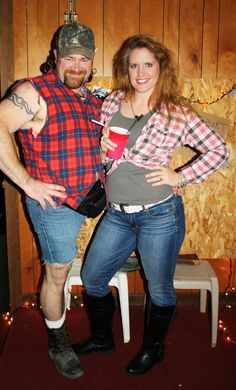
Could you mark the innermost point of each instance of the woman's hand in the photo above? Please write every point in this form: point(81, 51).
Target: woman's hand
point(106, 143)
point(162, 175)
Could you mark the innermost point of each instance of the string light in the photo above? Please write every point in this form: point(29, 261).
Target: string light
point(230, 283)
point(232, 91)
point(75, 299)
point(7, 318)
point(227, 333)
point(229, 338)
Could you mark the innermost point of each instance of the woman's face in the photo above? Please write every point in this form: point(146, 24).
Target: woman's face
point(144, 70)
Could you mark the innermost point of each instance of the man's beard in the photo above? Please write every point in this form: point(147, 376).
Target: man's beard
point(74, 80)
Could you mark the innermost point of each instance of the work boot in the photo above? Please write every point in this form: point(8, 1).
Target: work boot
point(100, 310)
point(61, 352)
point(152, 349)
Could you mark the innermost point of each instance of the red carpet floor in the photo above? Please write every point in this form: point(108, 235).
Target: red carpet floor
point(190, 363)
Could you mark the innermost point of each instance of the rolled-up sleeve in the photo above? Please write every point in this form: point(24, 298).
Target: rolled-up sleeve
point(212, 149)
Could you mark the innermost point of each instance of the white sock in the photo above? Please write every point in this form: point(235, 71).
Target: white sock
point(56, 324)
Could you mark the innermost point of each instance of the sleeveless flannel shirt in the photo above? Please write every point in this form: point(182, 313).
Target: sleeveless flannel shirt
point(66, 150)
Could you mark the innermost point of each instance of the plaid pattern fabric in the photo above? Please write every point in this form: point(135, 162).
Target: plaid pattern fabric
point(159, 139)
point(66, 150)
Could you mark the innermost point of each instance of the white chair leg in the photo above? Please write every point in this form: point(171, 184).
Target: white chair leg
point(203, 299)
point(124, 304)
point(214, 311)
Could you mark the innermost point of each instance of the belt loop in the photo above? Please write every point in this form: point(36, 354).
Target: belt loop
point(122, 207)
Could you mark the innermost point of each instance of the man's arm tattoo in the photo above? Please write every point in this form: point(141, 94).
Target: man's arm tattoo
point(20, 102)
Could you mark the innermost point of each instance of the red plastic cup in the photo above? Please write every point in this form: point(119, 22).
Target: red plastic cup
point(120, 137)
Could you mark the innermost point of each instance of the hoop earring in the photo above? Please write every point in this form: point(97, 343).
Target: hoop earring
point(90, 77)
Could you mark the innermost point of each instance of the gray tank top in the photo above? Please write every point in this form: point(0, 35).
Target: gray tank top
point(127, 183)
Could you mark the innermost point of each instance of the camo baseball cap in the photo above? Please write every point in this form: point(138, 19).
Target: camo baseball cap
point(76, 38)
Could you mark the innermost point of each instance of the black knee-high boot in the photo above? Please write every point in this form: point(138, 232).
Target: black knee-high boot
point(152, 349)
point(100, 311)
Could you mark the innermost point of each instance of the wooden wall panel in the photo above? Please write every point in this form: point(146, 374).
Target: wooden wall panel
point(42, 22)
point(30, 262)
point(121, 19)
point(30, 266)
point(171, 27)
point(6, 46)
point(151, 18)
point(210, 38)
point(227, 41)
point(20, 39)
point(190, 47)
point(62, 8)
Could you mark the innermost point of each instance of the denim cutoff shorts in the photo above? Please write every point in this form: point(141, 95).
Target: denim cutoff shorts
point(57, 231)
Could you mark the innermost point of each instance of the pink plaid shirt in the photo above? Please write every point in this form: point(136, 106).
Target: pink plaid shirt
point(159, 139)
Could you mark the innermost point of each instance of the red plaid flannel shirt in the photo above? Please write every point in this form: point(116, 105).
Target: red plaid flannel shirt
point(66, 150)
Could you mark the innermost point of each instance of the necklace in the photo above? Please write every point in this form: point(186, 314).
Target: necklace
point(137, 117)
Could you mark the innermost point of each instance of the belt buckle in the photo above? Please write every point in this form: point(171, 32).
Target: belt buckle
point(122, 206)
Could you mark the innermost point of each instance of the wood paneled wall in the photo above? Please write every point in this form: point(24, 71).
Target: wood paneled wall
point(200, 33)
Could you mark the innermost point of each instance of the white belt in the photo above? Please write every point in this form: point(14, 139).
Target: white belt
point(125, 208)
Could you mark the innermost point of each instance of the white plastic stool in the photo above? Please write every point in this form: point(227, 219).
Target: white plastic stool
point(201, 277)
point(119, 280)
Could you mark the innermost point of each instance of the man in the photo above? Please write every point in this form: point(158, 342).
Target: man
point(62, 158)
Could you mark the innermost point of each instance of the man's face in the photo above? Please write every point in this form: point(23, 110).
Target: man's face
point(74, 70)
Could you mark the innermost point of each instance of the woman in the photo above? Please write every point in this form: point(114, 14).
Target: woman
point(145, 212)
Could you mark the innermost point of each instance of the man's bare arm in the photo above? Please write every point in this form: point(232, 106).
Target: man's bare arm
point(19, 101)
point(17, 111)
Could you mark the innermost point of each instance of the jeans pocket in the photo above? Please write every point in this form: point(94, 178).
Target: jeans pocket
point(161, 211)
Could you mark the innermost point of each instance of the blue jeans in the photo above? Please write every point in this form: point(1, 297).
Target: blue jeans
point(157, 234)
point(57, 230)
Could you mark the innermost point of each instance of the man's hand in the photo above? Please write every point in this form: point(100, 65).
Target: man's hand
point(43, 192)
